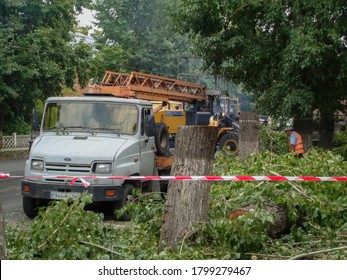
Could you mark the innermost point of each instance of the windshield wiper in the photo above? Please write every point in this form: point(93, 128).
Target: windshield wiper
point(106, 129)
point(77, 126)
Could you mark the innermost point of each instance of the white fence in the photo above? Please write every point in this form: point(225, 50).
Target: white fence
point(15, 142)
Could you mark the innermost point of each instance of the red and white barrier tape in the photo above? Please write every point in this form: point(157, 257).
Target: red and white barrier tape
point(187, 178)
point(4, 175)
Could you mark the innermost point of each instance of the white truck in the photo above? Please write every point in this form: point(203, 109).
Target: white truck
point(110, 131)
point(95, 138)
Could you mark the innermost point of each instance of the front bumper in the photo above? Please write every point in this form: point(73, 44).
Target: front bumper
point(51, 191)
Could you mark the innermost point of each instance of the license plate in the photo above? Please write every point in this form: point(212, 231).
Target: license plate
point(63, 195)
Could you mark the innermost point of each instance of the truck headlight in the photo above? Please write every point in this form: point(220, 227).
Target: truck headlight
point(104, 168)
point(37, 164)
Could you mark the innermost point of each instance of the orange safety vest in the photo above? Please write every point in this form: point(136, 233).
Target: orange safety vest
point(299, 145)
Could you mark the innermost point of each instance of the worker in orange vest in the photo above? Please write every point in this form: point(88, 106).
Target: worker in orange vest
point(295, 142)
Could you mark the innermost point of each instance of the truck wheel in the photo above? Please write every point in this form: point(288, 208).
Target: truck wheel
point(126, 198)
point(164, 184)
point(229, 143)
point(161, 139)
point(30, 207)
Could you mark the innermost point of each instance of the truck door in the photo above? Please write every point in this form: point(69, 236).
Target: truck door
point(146, 147)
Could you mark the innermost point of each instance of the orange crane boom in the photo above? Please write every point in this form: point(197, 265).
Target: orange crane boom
point(147, 87)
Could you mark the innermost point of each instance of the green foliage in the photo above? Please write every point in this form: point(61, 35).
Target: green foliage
point(38, 55)
point(138, 36)
point(280, 50)
point(273, 141)
point(298, 198)
point(316, 211)
point(18, 125)
point(340, 144)
point(246, 234)
point(58, 232)
point(145, 211)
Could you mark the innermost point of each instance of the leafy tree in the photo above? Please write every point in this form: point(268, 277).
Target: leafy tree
point(291, 54)
point(137, 35)
point(37, 54)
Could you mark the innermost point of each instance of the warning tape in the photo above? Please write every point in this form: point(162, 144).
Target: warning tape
point(187, 178)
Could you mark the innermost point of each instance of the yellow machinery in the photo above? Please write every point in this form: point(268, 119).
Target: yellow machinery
point(173, 115)
point(228, 109)
point(229, 105)
point(175, 95)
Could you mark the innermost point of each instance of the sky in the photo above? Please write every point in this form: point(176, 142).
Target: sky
point(86, 18)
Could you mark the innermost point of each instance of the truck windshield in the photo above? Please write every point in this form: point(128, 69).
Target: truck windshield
point(88, 116)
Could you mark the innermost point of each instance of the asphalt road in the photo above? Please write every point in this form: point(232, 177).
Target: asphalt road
point(10, 190)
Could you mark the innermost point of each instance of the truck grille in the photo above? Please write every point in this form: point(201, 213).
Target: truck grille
point(66, 169)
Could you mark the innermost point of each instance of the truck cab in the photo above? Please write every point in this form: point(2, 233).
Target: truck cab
point(83, 143)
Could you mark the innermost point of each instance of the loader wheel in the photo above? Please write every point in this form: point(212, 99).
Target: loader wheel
point(229, 143)
point(161, 138)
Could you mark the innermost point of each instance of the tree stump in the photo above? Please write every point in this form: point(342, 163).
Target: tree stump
point(3, 255)
point(248, 134)
point(188, 201)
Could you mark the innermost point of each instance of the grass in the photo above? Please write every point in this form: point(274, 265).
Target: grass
point(6, 155)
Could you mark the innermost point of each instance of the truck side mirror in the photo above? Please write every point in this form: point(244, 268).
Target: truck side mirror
point(149, 125)
point(36, 121)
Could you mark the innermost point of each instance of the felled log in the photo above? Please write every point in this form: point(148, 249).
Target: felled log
point(281, 224)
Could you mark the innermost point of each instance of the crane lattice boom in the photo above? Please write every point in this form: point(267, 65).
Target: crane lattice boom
point(147, 87)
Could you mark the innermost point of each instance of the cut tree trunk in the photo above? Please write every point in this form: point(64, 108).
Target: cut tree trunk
point(188, 201)
point(3, 255)
point(249, 134)
point(281, 224)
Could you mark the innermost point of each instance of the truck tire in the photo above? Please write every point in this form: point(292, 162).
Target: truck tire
point(164, 184)
point(161, 139)
point(126, 198)
point(229, 143)
point(30, 207)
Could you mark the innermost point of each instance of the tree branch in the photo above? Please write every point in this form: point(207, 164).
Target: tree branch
point(317, 253)
point(100, 247)
point(298, 189)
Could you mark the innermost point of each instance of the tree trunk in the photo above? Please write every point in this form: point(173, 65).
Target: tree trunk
point(2, 115)
point(326, 130)
point(304, 126)
point(249, 134)
point(3, 255)
point(188, 201)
